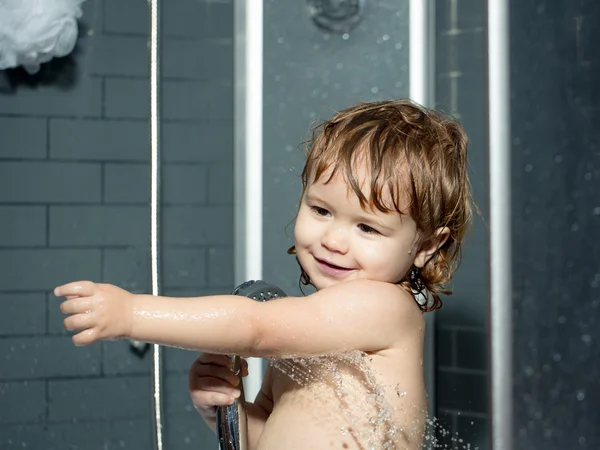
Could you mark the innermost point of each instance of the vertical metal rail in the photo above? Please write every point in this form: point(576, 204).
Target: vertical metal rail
point(501, 366)
point(155, 206)
point(422, 91)
point(248, 107)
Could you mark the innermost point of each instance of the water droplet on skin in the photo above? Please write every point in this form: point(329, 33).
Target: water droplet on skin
point(580, 396)
point(345, 36)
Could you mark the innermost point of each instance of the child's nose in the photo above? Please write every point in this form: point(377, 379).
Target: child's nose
point(334, 239)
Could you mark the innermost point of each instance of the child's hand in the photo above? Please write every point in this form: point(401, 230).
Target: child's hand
point(212, 383)
point(101, 311)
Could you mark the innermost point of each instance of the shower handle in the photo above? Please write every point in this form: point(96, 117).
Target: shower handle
point(232, 422)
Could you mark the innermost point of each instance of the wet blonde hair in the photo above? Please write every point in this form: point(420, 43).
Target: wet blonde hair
point(413, 152)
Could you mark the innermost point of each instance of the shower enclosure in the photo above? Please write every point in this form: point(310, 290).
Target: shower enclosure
point(239, 88)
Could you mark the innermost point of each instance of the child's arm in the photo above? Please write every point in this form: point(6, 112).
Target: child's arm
point(355, 315)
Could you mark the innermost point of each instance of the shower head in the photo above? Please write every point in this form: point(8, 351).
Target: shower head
point(337, 16)
point(232, 425)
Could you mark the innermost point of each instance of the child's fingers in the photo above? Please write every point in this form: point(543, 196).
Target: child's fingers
point(86, 337)
point(213, 358)
point(218, 372)
point(211, 399)
point(79, 288)
point(78, 322)
point(244, 368)
point(76, 305)
point(212, 384)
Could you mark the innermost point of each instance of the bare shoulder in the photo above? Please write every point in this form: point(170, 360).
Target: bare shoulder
point(390, 302)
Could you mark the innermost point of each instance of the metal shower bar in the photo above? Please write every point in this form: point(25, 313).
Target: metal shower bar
point(154, 48)
point(501, 367)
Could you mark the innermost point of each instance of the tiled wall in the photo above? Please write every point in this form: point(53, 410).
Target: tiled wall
point(74, 193)
point(555, 68)
point(461, 353)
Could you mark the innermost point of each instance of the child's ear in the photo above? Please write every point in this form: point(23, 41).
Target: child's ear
point(430, 246)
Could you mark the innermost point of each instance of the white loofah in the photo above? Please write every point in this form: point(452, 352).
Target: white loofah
point(33, 32)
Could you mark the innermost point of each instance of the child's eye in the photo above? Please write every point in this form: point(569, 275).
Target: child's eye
point(367, 229)
point(320, 211)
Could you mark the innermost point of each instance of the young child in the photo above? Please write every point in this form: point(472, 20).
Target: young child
point(385, 203)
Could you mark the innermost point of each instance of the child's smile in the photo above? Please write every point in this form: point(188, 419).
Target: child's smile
point(336, 240)
point(333, 270)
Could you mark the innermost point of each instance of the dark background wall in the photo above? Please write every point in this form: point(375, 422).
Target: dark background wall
point(461, 342)
point(555, 68)
point(74, 193)
point(555, 214)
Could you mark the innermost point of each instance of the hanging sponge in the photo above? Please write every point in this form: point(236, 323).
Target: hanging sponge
point(33, 32)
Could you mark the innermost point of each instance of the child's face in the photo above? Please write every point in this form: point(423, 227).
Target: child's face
point(336, 240)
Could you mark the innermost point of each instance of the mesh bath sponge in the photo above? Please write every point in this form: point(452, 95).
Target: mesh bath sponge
point(33, 32)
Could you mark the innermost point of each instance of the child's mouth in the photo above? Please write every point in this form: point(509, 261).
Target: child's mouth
point(332, 269)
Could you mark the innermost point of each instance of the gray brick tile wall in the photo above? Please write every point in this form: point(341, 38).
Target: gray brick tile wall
point(83, 99)
point(15, 437)
point(119, 359)
point(186, 184)
point(117, 140)
point(127, 183)
point(463, 390)
point(208, 60)
point(188, 100)
point(12, 319)
point(130, 20)
point(127, 267)
point(186, 431)
point(219, 194)
point(49, 182)
point(23, 137)
point(102, 225)
point(177, 393)
point(28, 400)
point(30, 358)
point(119, 56)
point(22, 226)
point(461, 377)
point(127, 98)
point(184, 267)
point(212, 19)
point(74, 193)
point(99, 398)
point(199, 142)
point(41, 269)
point(198, 225)
point(219, 261)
